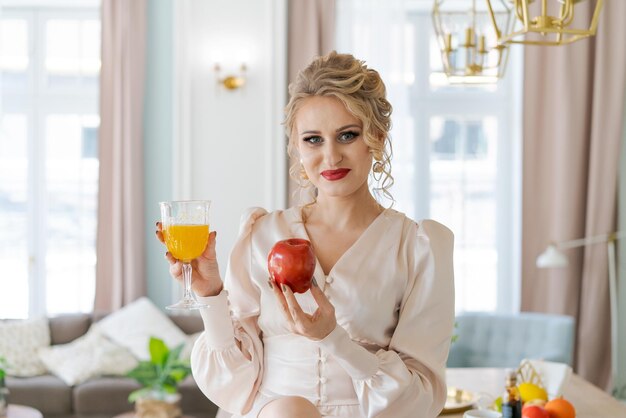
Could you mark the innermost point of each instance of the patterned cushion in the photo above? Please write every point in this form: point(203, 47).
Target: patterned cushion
point(91, 355)
point(19, 342)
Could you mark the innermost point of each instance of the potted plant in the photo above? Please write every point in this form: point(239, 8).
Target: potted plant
point(159, 377)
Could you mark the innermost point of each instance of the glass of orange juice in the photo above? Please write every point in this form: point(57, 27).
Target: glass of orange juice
point(186, 232)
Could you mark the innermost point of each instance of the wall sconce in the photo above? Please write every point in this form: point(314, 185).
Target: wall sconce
point(231, 81)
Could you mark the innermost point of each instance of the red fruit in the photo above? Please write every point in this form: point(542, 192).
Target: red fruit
point(292, 262)
point(534, 411)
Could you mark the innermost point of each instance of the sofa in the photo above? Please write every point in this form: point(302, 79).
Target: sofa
point(99, 397)
point(504, 339)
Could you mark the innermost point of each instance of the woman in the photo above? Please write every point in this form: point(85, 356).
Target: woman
point(371, 337)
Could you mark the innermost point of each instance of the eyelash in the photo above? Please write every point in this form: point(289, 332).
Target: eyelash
point(314, 140)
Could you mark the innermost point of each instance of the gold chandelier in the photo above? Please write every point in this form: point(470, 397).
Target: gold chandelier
point(468, 41)
point(546, 22)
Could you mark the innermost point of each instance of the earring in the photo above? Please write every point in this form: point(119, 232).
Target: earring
point(378, 167)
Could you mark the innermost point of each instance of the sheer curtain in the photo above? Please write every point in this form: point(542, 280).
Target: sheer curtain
point(120, 276)
point(573, 109)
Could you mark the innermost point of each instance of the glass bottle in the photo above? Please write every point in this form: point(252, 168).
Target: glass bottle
point(511, 399)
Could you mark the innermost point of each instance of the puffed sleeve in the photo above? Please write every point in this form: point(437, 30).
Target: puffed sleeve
point(408, 378)
point(227, 359)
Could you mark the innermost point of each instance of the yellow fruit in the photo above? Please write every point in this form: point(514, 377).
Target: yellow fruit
point(497, 404)
point(530, 392)
point(538, 402)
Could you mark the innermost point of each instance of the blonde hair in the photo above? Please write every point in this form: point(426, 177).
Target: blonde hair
point(363, 93)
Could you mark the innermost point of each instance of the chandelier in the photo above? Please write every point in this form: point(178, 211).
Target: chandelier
point(468, 41)
point(546, 22)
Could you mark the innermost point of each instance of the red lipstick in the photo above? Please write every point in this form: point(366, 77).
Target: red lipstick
point(334, 175)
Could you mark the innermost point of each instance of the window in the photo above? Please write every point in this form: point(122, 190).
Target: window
point(466, 144)
point(49, 69)
point(456, 149)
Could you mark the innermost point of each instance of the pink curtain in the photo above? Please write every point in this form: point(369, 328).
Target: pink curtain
point(573, 108)
point(311, 29)
point(120, 276)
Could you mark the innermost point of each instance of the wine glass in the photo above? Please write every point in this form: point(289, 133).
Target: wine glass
point(186, 233)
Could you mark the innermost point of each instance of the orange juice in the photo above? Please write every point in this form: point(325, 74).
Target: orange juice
point(186, 242)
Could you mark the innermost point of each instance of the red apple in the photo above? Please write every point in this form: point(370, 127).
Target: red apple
point(534, 411)
point(292, 262)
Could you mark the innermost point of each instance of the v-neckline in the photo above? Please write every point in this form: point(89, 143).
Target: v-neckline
point(305, 234)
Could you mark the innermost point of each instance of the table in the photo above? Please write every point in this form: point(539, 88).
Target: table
point(21, 411)
point(589, 400)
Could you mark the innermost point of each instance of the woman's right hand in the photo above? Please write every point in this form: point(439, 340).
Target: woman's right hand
point(205, 277)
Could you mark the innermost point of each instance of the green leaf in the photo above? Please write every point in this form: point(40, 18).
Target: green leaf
point(158, 351)
point(145, 373)
point(163, 372)
point(139, 393)
point(180, 372)
point(169, 388)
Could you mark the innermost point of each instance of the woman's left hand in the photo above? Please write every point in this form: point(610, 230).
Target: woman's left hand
point(315, 326)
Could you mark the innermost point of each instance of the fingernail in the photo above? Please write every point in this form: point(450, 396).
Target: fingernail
point(282, 286)
point(157, 223)
point(314, 282)
point(269, 282)
point(156, 232)
point(167, 253)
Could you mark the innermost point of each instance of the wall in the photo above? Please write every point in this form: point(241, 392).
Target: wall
point(158, 129)
point(229, 145)
point(201, 141)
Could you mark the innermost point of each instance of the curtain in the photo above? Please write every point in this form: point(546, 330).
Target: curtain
point(573, 108)
point(311, 29)
point(620, 385)
point(120, 276)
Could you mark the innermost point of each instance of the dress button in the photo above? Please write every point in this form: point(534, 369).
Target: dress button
point(323, 380)
point(324, 398)
point(329, 279)
point(323, 359)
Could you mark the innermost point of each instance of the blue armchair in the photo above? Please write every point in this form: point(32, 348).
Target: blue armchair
point(503, 340)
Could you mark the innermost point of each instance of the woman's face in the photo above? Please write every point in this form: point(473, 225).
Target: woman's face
point(331, 146)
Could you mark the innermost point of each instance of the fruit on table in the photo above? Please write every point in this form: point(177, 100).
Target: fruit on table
point(539, 402)
point(529, 391)
point(560, 408)
point(292, 262)
point(497, 404)
point(534, 411)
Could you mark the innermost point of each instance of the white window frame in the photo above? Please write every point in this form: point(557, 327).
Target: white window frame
point(37, 104)
point(505, 104)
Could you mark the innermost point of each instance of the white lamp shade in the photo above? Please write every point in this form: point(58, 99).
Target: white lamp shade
point(552, 257)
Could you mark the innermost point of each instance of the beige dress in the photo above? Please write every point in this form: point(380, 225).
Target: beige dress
point(393, 293)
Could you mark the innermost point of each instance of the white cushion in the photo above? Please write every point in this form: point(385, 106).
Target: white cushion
point(91, 355)
point(134, 324)
point(19, 342)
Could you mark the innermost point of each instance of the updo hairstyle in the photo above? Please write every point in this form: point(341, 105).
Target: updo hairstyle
point(363, 93)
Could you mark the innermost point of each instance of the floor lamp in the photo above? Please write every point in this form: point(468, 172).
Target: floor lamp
point(554, 257)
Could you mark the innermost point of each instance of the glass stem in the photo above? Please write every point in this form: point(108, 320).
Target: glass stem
point(187, 281)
